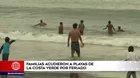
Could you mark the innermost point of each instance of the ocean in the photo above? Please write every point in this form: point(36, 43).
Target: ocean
point(17, 18)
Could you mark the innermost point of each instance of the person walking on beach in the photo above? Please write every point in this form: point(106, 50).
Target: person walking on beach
point(131, 56)
point(41, 24)
point(75, 37)
point(60, 30)
point(110, 28)
point(81, 27)
point(6, 49)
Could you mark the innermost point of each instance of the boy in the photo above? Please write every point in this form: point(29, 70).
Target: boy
point(81, 27)
point(61, 28)
point(6, 49)
point(131, 57)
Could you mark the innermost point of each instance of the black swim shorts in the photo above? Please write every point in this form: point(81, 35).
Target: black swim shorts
point(75, 48)
point(5, 57)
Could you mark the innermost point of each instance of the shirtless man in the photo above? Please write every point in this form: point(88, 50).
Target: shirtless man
point(81, 27)
point(75, 37)
point(119, 29)
point(60, 31)
point(41, 24)
point(110, 28)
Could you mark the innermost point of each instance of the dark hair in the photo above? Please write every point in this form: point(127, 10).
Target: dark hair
point(130, 48)
point(109, 22)
point(41, 20)
point(61, 23)
point(119, 27)
point(7, 39)
point(82, 21)
point(75, 25)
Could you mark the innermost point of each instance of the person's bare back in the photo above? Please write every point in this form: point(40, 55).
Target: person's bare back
point(110, 28)
point(75, 34)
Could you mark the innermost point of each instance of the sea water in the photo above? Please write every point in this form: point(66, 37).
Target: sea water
point(17, 18)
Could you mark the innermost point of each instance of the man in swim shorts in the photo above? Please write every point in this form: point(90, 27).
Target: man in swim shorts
point(75, 37)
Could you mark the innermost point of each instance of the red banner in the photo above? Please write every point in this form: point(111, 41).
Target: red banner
point(11, 66)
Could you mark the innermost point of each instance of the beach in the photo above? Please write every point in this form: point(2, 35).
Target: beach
point(36, 50)
point(49, 51)
point(18, 17)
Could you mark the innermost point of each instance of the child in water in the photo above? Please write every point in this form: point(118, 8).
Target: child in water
point(6, 48)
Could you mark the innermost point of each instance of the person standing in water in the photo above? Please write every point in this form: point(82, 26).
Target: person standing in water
point(110, 28)
point(131, 56)
point(81, 27)
point(41, 24)
point(60, 30)
point(75, 36)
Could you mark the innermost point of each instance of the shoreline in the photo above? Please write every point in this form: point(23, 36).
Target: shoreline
point(34, 50)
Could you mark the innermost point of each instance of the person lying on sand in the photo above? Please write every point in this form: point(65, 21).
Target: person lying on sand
point(41, 24)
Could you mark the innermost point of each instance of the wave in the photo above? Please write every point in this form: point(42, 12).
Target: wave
point(102, 40)
point(95, 4)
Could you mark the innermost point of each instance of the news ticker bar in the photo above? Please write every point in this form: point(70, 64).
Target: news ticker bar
point(67, 66)
point(81, 66)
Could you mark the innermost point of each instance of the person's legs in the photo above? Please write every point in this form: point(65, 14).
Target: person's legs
point(134, 74)
point(77, 49)
point(81, 31)
point(72, 50)
point(128, 74)
point(76, 75)
point(60, 32)
point(5, 57)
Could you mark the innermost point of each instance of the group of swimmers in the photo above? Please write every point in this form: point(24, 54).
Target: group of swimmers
point(61, 28)
point(81, 27)
point(111, 28)
point(74, 36)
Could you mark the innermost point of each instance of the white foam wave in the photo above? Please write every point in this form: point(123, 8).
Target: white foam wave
point(112, 41)
point(95, 4)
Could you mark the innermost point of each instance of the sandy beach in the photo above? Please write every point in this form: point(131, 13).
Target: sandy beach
point(24, 50)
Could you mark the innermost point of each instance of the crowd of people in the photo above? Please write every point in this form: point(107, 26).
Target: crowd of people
point(74, 36)
point(81, 27)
